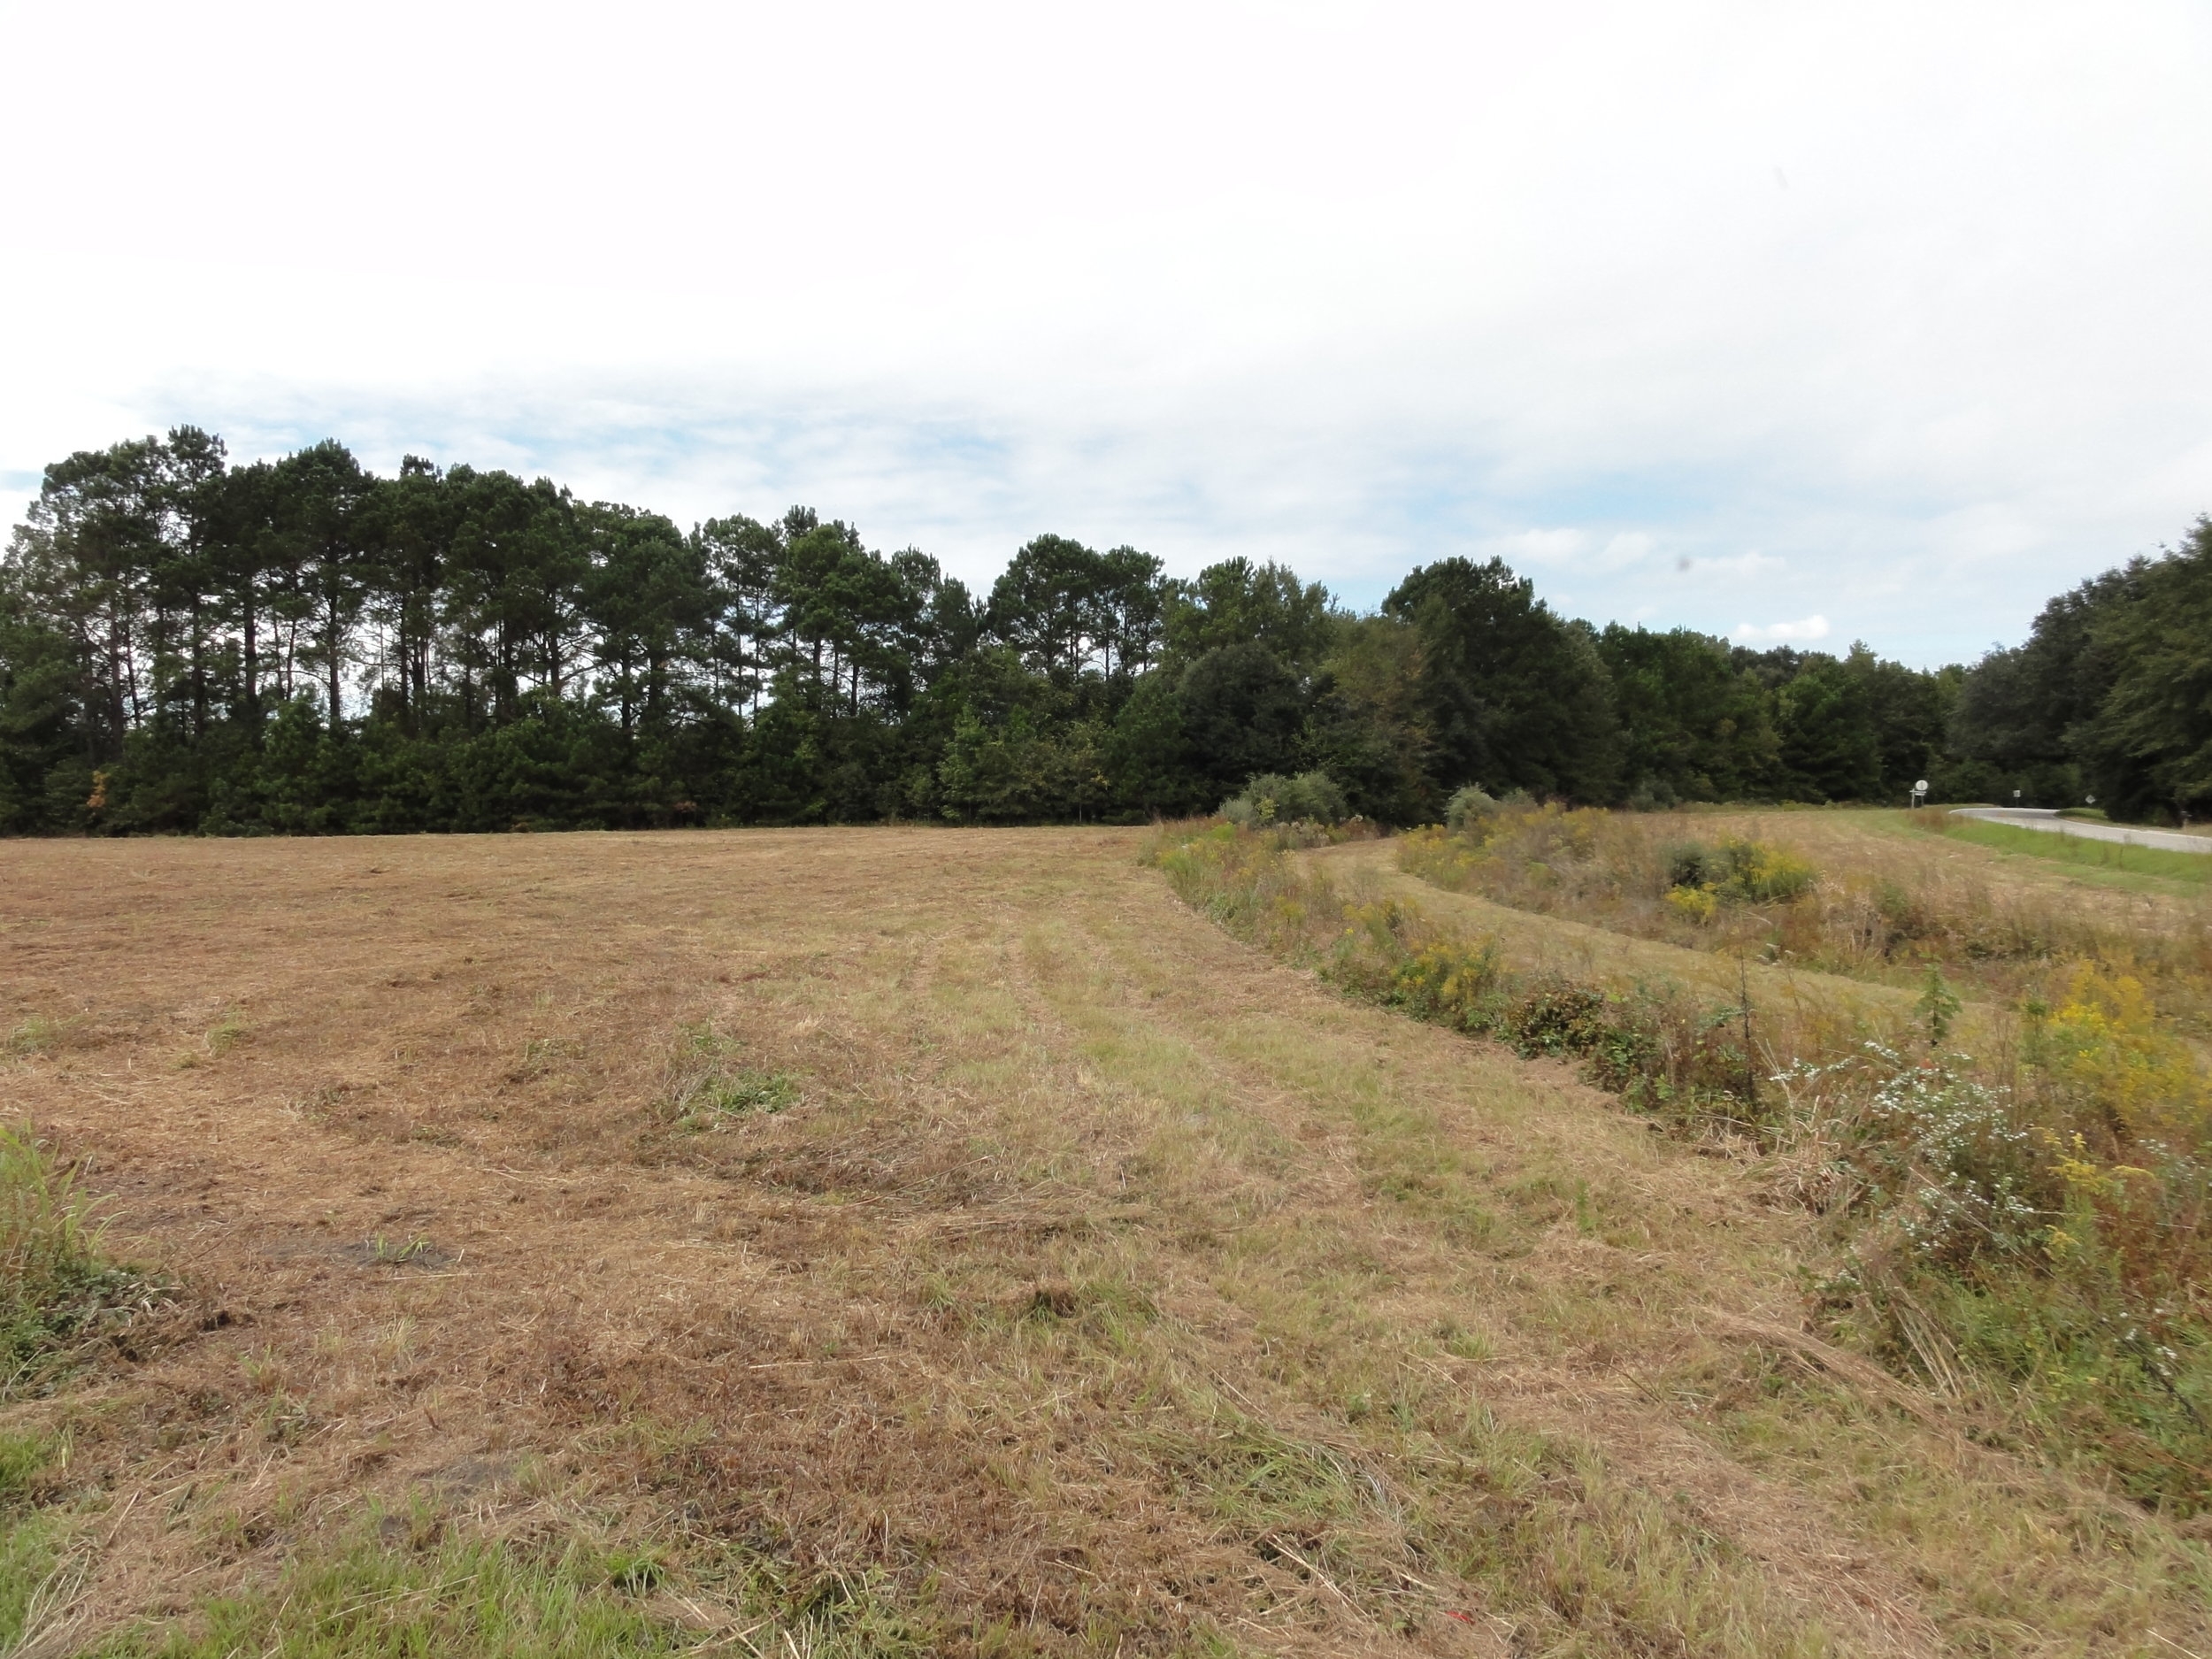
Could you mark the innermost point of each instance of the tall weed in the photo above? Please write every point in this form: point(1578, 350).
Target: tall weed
point(2018, 1245)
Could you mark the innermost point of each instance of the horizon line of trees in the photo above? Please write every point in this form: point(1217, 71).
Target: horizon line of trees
point(301, 646)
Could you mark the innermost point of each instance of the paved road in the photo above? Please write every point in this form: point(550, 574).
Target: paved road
point(2043, 818)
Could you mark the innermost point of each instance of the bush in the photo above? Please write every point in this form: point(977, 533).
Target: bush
point(1311, 797)
point(1689, 864)
point(1469, 802)
point(1699, 877)
point(1471, 807)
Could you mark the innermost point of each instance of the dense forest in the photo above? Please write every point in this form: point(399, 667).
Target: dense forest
point(301, 646)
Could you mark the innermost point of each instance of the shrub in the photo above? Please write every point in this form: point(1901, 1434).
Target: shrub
point(1945, 1155)
point(1689, 864)
point(1693, 903)
point(1765, 874)
point(1311, 797)
point(2125, 1077)
point(1737, 870)
point(1468, 803)
point(1447, 980)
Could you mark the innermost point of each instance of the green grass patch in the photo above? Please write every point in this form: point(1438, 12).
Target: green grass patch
point(28, 1554)
point(710, 1100)
point(2193, 868)
point(748, 1091)
point(492, 1599)
point(59, 1296)
point(35, 1035)
point(708, 1090)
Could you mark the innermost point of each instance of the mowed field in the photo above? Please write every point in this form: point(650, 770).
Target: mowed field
point(887, 1240)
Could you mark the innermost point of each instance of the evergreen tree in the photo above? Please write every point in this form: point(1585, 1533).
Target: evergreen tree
point(299, 645)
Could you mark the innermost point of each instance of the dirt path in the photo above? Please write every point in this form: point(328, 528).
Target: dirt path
point(1101, 1281)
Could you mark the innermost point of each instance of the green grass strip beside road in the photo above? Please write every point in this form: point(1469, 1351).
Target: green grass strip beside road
point(2081, 850)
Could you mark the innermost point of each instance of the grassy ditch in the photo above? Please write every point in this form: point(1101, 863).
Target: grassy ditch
point(1666, 1050)
point(2027, 1232)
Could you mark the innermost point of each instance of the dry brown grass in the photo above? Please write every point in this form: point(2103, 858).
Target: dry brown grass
point(1101, 1285)
point(1999, 919)
point(1883, 898)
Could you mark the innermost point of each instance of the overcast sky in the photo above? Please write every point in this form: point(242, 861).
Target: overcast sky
point(1781, 322)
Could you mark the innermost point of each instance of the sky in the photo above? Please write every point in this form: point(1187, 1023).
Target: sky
point(1792, 323)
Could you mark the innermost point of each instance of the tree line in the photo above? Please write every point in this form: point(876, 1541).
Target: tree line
point(302, 646)
point(2110, 696)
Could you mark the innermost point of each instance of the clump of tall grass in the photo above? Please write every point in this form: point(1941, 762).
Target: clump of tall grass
point(57, 1289)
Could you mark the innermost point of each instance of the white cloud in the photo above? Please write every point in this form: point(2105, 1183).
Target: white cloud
point(1802, 632)
point(1357, 286)
point(1750, 563)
